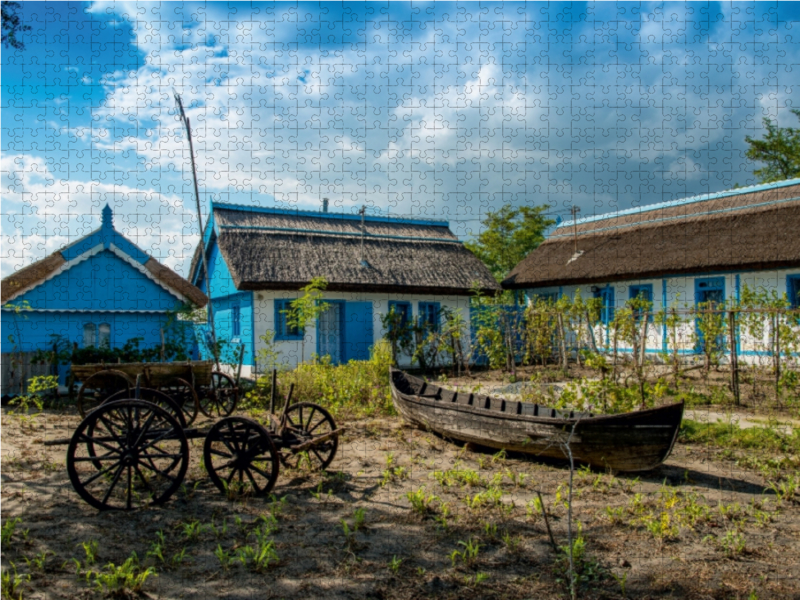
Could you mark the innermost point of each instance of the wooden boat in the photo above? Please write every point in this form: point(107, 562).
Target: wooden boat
point(634, 441)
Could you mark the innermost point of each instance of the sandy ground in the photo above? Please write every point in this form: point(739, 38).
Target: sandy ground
point(397, 552)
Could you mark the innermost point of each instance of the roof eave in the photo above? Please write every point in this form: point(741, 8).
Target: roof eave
point(361, 287)
point(511, 283)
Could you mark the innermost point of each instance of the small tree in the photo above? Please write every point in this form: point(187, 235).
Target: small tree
point(711, 326)
point(268, 356)
point(540, 327)
point(398, 333)
point(306, 309)
point(671, 319)
point(453, 335)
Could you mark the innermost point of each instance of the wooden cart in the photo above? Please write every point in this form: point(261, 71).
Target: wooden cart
point(193, 385)
point(131, 452)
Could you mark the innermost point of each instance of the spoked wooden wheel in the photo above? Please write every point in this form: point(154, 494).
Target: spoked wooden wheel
point(127, 454)
point(182, 392)
point(241, 458)
point(156, 397)
point(220, 398)
point(305, 422)
point(98, 387)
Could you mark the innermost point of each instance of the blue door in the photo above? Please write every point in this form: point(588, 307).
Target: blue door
point(358, 330)
point(329, 331)
point(345, 331)
point(711, 293)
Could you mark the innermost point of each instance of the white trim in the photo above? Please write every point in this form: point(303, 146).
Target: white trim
point(143, 270)
point(65, 267)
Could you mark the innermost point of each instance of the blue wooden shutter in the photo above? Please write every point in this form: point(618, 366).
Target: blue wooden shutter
point(280, 320)
point(358, 330)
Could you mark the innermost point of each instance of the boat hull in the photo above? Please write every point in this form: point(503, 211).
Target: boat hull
point(635, 441)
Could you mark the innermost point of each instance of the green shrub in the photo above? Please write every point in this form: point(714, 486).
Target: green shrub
point(727, 435)
point(357, 389)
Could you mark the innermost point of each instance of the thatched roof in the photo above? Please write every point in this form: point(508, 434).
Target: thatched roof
point(750, 228)
point(169, 277)
point(278, 249)
point(28, 276)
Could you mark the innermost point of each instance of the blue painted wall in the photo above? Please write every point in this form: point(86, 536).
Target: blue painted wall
point(222, 281)
point(223, 324)
point(36, 328)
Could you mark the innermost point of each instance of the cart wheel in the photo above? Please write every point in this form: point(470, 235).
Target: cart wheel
point(304, 422)
point(100, 386)
point(241, 457)
point(220, 398)
point(156, 397)
point(137, 446)
point(182, 392)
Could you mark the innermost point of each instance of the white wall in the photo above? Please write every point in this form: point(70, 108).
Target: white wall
point(680, 292)
point(290, 351)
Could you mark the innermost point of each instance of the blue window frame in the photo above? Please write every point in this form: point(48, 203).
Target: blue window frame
point(793, 290)
point(607, 312)
point(236, 320)
point(546, 296)
point(644, 290)
point(429, 314)
point(403, 309)
point(283, 332)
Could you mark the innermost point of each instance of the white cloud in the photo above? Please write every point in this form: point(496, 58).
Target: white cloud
point(42, 212)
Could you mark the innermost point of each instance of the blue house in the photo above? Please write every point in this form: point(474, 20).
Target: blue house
point(259, 258)
point(101, 290)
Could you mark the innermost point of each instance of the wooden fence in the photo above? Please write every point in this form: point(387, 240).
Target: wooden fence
point(17, 369)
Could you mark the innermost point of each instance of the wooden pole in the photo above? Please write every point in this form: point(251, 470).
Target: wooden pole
point(185, 119)
point(273, 391)
point(643, 340)
point(734, 357)
point(777, 334)
point(239, 368)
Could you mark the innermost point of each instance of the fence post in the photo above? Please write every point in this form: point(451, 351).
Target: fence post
point(777, 333)
point(734, 356)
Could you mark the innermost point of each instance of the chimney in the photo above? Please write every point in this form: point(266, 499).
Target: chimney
point(324, 205)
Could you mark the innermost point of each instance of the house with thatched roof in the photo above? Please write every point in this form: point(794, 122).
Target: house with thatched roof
point(679, 253)
point(100, 290)
point(259, 258)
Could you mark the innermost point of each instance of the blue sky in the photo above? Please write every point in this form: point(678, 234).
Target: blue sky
point(445, 110)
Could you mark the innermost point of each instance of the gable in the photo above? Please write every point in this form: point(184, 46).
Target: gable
point(100, 280)
point(222, 283)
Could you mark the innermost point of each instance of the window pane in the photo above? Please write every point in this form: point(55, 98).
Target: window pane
point(104, 339)
point(236, 318)
point(88, 335)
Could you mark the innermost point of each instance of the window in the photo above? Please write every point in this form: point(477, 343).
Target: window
point(551, 297)
point(403, 309)
point(236, 324)
point(104, 337)
point(89, 335)
point(793, 290)
point(282, 329)
point(607, 296)
point(644, 292)
point(429, 314)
